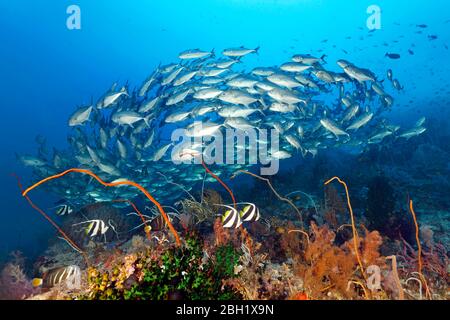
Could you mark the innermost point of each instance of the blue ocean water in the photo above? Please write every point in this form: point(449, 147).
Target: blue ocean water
point(47, 69)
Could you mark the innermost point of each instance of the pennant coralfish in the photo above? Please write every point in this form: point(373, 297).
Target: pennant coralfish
point(231, 218)
point(62, 210)
point(250, 212)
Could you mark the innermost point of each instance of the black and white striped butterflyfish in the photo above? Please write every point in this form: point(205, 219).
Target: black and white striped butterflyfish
point(58, 275)
point(250, 212)
point(231, 218)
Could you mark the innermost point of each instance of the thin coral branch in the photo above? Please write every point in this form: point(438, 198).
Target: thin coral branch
point(177, 185)
point(366, 293)
point(147, 231)
point(273, 190)
point(355, 232)
point(300, 231)
point(401, 294)
point(308, 196)
point(213, 175)
point(420, 285)
point(112, 184)
point(203, 187)
point(221, 182)
point(419, 247)
point(419, 250)
point(63, 234)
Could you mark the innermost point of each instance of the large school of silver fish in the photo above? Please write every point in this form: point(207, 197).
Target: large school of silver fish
point(126, 133)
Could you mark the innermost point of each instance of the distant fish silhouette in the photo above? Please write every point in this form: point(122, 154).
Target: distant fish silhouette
point(393, 56)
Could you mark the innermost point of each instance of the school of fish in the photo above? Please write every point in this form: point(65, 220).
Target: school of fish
point(125, 134)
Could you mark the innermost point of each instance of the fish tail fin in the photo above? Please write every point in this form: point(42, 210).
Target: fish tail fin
point(323, 58)
point(213, 53)
point(37, 282)
point(263, 104)
point(147, 120)
point(257, 49)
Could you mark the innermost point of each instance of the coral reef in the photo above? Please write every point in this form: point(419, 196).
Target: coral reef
point(330, 255)
point(178, 273)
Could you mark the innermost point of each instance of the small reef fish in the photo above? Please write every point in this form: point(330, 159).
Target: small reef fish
point(231, 218)
point(57, 276)
point(156, 224)
point(94, 228)
point(249, 213)
point(64, 210)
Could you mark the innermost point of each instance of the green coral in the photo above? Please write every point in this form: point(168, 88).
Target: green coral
point(178, 274)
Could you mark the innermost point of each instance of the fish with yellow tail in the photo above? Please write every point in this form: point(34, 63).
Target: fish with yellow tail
point(69, 275)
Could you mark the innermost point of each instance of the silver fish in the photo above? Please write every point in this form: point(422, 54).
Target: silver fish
point(239, 52)
point(361, 121)
point(81, 116)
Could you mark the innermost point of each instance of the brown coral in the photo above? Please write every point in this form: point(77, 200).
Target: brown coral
point(328, 268)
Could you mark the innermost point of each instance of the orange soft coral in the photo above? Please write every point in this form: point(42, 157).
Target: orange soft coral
point(328, 268)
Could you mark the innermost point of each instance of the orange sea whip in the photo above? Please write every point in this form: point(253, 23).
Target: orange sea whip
point(65, 236)
point(221, 182)
point(112, 184)
point(419, 247)
point(147, 232)
point(355, 232)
